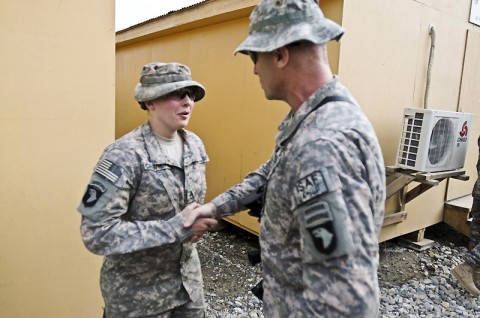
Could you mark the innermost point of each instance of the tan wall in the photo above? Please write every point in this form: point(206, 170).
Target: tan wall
point(383, 60)
point(57, 114)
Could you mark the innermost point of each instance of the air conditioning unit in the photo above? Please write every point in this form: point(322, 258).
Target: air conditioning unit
point(433, 140)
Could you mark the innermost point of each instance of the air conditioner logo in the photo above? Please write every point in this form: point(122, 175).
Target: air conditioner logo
point(463, 133)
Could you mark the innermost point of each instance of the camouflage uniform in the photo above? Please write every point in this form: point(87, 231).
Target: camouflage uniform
point(131, 212)
point(324, 187)
point(324, 206)
point(473, 256)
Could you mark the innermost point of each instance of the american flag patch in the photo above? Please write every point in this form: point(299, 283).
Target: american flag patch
point(109, 170)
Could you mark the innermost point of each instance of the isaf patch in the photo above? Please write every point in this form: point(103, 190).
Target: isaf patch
point(315, 184)
point(94, 191)
point(109, 170)
point(319, 225)
point(309, 187)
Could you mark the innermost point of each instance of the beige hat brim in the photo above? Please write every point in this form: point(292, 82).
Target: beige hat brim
point(270, 39)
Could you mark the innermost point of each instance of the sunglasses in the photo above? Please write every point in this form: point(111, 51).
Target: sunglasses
point(180, 94)
point(254, 55)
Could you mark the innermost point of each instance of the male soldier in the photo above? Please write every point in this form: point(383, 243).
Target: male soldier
point(468, 273)
point(324, 186)
point(141, 190)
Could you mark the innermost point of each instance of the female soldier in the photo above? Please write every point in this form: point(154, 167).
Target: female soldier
point(142, 189)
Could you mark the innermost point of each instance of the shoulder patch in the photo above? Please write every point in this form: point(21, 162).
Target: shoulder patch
point(324, 238)
point(94, 191)
point(315, 184)
point(319, 224)
point(309, 187)
point(109, 170)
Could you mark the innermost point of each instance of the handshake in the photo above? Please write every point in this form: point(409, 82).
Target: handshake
point(200, 218)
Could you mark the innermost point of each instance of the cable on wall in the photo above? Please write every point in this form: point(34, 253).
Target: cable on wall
point(431, 30)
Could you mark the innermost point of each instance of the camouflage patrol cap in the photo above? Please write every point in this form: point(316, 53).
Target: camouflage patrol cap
point(276, 23)
point(159, 79)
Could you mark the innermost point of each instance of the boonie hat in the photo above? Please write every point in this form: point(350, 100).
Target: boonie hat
point(276, 23)
point(159, 79)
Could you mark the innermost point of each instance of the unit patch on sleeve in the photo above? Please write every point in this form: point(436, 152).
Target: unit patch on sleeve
point(319, 202)
point(319, 225)
point(109, 170)
point(94, 191)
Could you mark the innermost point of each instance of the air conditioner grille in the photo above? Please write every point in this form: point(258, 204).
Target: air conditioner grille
point(440, 140)
point(408, 150)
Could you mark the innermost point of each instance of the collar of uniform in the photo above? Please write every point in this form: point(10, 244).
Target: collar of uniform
point(191, 152)
point(293, 120)
point(157, 156)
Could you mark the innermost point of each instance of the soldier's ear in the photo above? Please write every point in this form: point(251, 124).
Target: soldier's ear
point(150, 105)
point(282, 56)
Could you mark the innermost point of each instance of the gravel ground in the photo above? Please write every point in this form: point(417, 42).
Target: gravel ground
point(413, 284)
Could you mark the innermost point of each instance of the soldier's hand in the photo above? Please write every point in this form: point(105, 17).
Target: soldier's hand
point(200, 211)
point(200, 226)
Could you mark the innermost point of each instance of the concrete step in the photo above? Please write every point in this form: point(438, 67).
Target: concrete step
point(457, 214)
